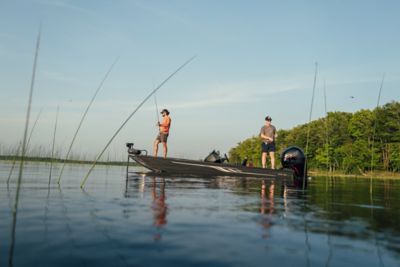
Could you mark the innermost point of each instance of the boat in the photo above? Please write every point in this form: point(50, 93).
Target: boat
point(292, 159)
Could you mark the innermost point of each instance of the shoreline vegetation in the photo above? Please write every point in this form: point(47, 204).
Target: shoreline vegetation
point(347, 144)
point(71, 161)
point(339, 174)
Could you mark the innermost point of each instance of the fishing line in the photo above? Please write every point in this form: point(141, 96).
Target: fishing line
point(130, 116)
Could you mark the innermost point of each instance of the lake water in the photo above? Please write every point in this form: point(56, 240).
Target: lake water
point(155, 221)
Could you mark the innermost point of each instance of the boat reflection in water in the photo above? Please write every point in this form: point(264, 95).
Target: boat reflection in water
point(265, 200)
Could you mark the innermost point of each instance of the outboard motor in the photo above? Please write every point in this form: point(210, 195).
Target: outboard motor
point(294, 158)
point(215, 157)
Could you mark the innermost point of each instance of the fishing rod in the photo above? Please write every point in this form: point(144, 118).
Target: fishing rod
point(130, 116)
point(83, 118)
point(23, 148)
point(158, 116)
point(309, 124)
point(155, 101)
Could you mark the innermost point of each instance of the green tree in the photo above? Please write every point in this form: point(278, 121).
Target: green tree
point(340, 141)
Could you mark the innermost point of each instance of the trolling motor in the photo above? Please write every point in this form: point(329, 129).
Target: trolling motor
point(294, 158)
point(134, 151)
point(215, 157)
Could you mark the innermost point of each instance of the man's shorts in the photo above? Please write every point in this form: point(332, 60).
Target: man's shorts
point(268, 147)
point(162, 137)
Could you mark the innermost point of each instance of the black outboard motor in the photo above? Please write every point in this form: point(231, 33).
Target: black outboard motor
point(294, 158)
point(215, 157)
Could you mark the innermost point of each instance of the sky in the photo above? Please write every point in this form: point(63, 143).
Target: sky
point(253, 58)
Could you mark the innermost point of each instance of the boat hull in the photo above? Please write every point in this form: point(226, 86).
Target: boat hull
point(190, 168)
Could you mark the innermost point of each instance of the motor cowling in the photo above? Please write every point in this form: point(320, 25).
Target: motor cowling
point(134, 151)
point(215, 157)
point(294, 158)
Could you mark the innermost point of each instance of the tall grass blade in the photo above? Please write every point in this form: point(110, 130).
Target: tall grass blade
point(27, 145)
point(33, 128)
point(52, 147)
point(83, 118)
point(309, 123)
point(14, 162)
point(23, 147)
point(327, 130)
point(130, 116)
point(375, 123)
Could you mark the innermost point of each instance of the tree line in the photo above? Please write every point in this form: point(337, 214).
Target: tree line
point(341, 141)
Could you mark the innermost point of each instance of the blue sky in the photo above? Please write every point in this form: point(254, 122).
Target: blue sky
point(253, 58)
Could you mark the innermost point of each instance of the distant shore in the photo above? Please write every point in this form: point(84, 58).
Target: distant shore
point(71, 161)
point(374, 174)
point(312, 172)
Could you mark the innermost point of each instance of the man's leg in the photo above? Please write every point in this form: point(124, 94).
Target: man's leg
point(165, 149)
point(272, 156)
point(264, 159)
point(155, 149)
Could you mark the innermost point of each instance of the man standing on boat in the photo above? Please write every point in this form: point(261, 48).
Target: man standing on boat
point(268, 135)
point(163, 133)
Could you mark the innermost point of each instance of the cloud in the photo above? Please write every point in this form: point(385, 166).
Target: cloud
point(164, 13)
point(64, 4)
point(233, 93)
point(56, 76)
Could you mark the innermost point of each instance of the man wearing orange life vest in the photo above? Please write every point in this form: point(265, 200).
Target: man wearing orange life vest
point(163, 134)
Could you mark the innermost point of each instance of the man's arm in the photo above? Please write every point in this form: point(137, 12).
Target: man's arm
point(263, 136)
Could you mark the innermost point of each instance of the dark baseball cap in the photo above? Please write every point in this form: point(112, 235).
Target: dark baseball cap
point(165, 110)
point(268, 118)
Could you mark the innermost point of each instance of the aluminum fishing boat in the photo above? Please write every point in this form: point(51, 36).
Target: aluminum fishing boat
point(292, 159)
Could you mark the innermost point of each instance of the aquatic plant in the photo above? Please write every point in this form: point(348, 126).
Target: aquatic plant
point(130, 116)
point(84, 116)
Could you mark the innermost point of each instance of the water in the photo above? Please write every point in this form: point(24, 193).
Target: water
point(155, 221)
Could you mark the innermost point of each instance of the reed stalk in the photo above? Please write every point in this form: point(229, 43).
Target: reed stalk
point(374, 131)
point(52, 147)
point(327, 130)
point(130, 116)
point(23, 152)
point(14, 162)
point(375, 122)
point(83, 118)
point(309, 124)
point(33, 128)
point(27, 145)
